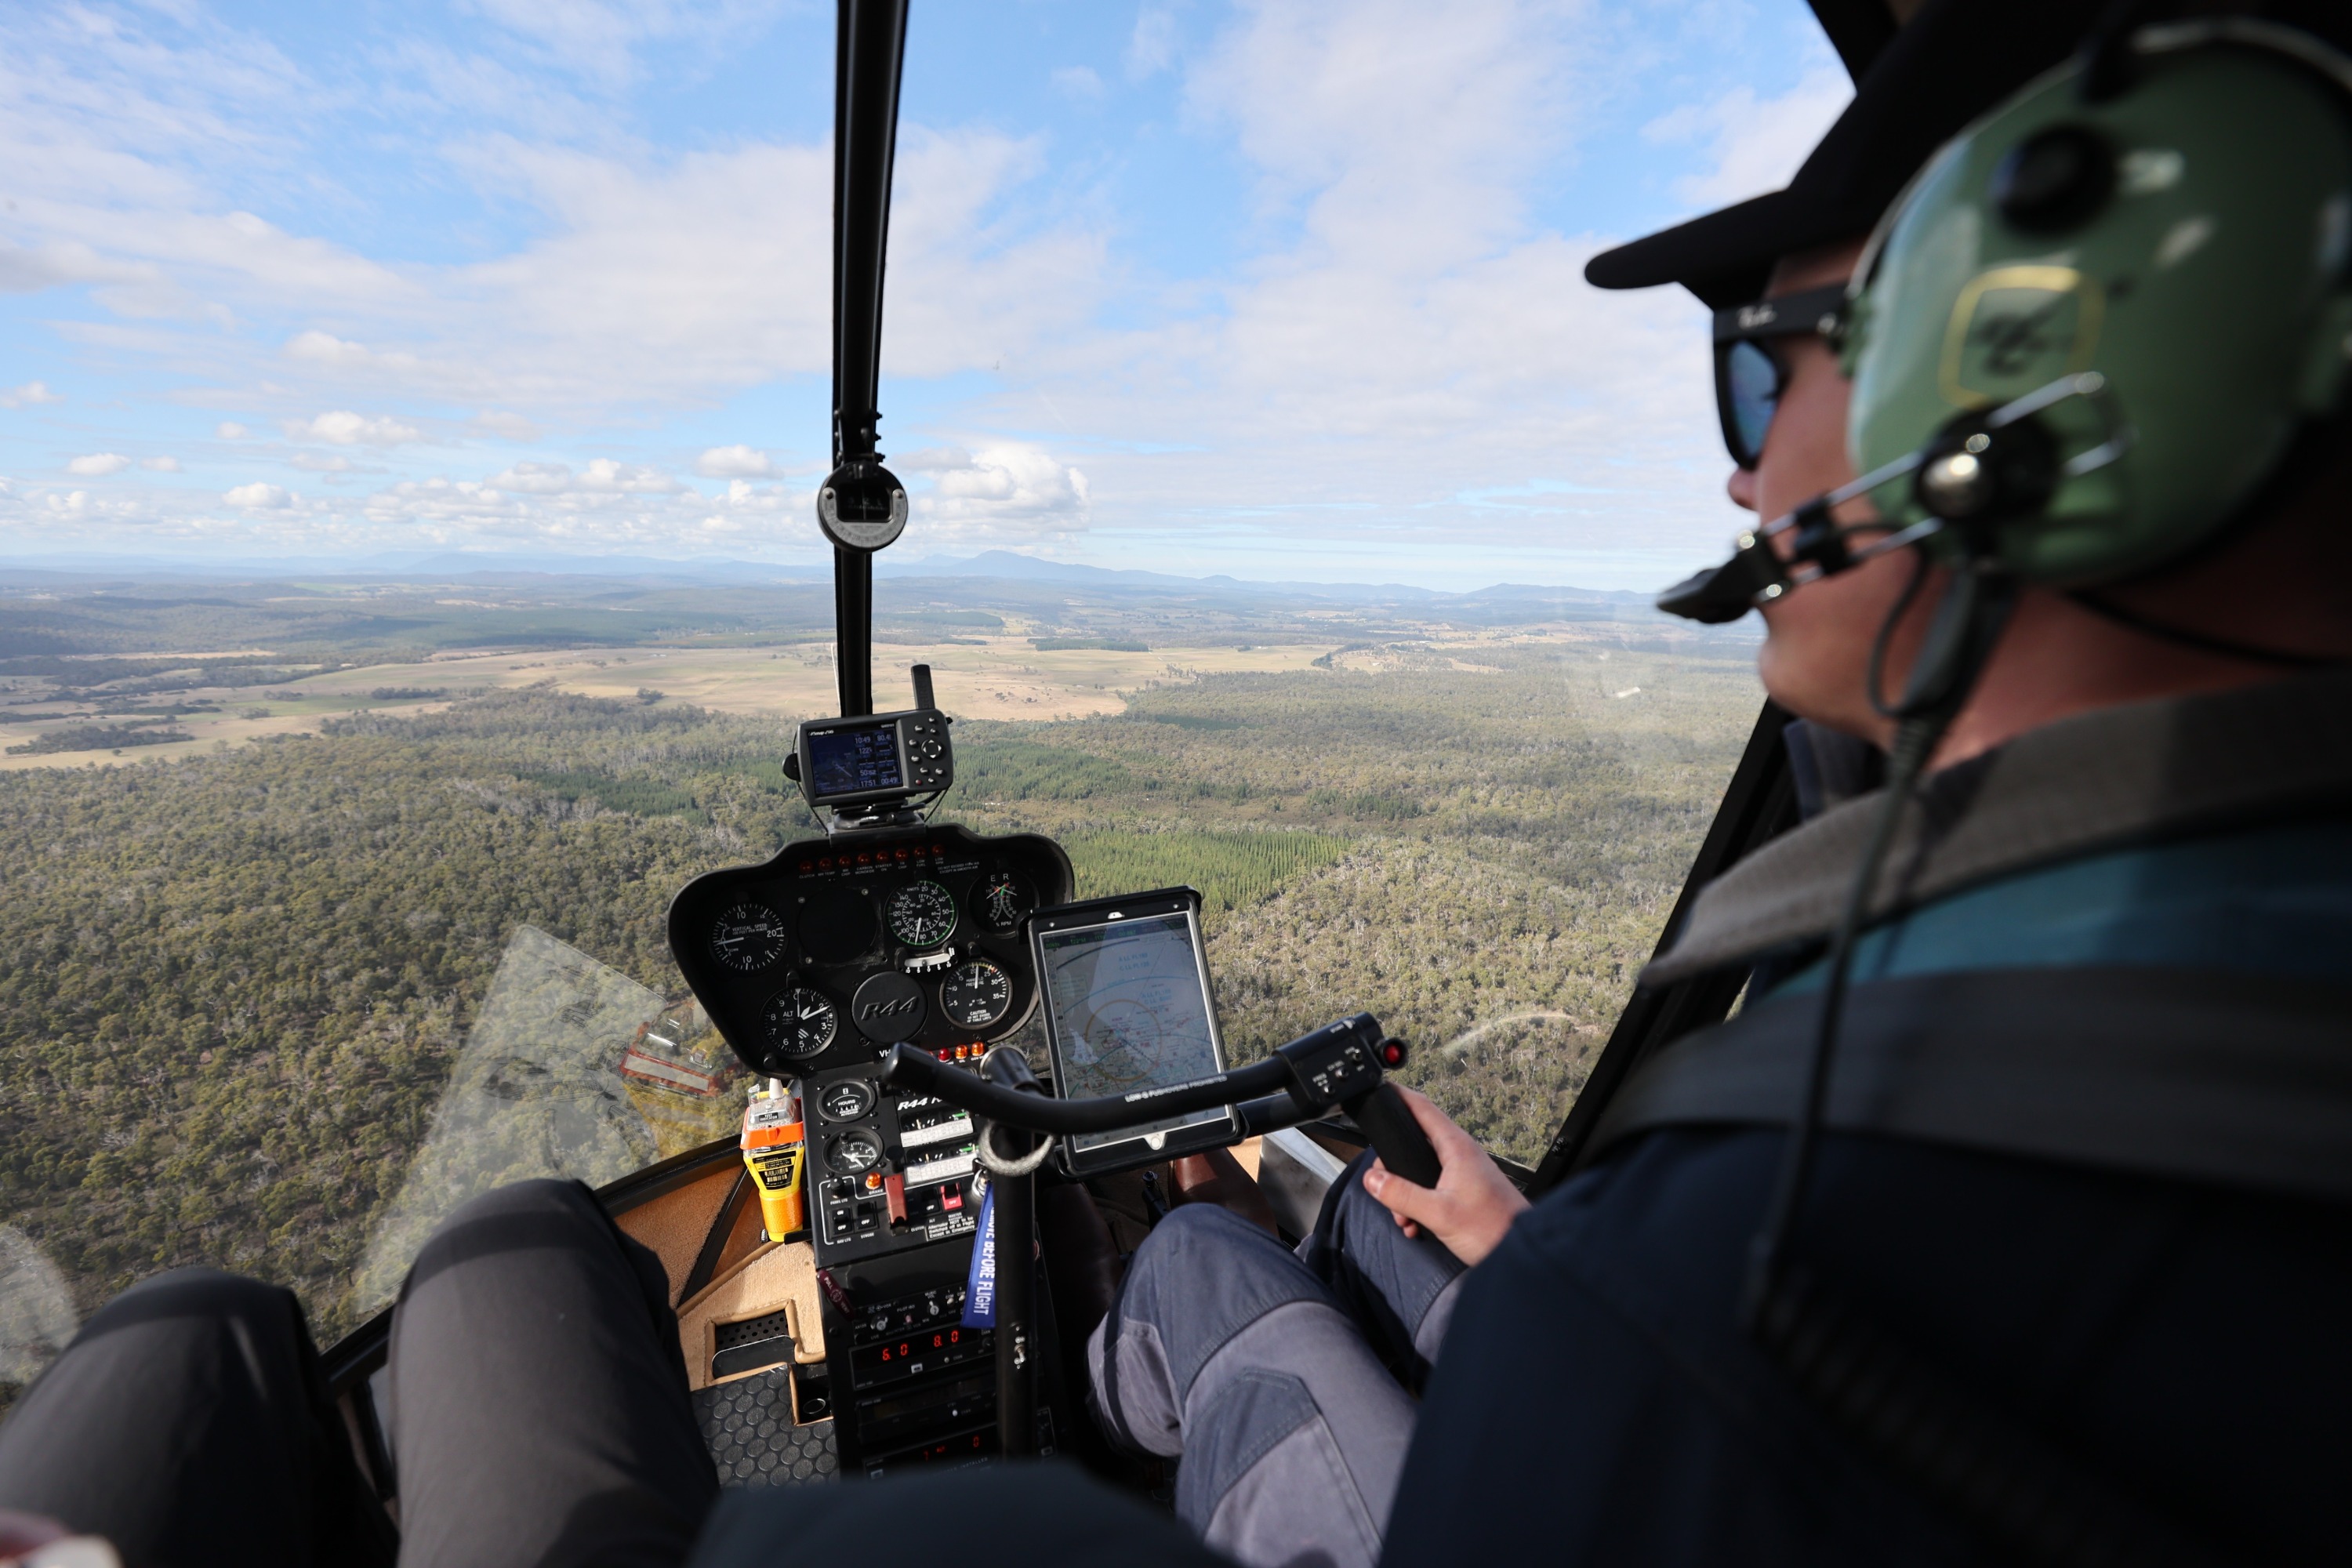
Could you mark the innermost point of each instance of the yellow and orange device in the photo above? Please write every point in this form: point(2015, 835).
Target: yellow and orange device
point(772, 1153)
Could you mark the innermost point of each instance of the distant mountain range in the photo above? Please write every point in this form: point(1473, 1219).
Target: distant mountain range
point(1002, 565)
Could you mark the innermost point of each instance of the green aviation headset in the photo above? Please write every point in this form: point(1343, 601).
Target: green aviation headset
point(2097, 322)
point(2165, 260)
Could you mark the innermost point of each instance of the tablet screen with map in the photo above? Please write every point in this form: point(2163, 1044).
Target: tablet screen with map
point(1127, 992)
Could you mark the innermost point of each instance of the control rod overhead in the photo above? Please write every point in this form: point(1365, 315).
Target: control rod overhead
point(862, 506)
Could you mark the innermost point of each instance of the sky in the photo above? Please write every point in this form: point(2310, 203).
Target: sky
point(1287, 289)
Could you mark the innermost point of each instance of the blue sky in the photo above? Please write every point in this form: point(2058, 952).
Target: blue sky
point(1283, 290)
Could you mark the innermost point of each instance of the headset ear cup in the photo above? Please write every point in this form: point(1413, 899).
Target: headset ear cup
point(2320, 390)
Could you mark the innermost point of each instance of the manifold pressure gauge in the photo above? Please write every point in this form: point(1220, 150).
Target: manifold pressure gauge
point(975, 996)
point(799, 1021)
point(921, 914)
point(748, 938)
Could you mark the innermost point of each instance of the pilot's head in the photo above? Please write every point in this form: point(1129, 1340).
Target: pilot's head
point(1788, 348)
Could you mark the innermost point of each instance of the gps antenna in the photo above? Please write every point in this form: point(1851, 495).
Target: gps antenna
point(861, 506)
point(922, 677)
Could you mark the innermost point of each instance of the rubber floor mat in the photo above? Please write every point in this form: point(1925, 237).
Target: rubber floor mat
point(749, 1426)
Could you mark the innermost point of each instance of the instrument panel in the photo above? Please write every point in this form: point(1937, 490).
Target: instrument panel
point(839, 949)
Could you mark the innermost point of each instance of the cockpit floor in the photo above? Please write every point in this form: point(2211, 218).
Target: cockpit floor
point(749, 1425)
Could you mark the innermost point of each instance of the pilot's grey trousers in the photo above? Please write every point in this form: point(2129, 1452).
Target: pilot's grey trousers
point(1285, 1380)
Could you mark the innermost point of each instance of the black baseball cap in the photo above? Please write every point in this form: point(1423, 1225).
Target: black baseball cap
point(1954, 60)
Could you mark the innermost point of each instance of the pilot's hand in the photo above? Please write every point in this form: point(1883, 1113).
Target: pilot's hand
point(1471, 1204)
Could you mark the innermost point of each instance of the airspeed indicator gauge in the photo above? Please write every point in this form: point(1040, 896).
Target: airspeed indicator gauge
point(748, 938)
point(975, 996)
point(921, 914)
point(799, 1022)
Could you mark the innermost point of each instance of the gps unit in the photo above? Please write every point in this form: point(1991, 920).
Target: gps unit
point(871, 759)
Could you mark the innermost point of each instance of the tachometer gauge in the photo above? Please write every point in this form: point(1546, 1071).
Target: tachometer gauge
point(748, 938)
point(975, 996)
point(800, 1022)
point(921, 914)
point(1001, 899)
point(853, 1153)
point(846, 1100)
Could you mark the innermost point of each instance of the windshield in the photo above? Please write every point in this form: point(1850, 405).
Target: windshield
point(278, 1000)
point(409, 577)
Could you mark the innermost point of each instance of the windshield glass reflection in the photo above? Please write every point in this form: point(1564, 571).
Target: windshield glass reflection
point(573, 1069)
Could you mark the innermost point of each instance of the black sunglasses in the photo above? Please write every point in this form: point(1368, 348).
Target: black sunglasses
point(1748, 377)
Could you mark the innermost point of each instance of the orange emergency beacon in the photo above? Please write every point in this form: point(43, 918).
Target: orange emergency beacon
point(772, 1153)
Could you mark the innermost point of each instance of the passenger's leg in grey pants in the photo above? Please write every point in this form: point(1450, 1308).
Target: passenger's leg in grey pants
point(538, 1403)
point(1230, 1349)
point(189, 1424)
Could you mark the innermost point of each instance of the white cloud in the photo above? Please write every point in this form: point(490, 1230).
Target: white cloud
point(611, 477)
point(258, 497)
point(506, 427)
point(161, 465)
point(1152, 46)
point(1009, 486)
point(312, 463)
point(230, 430)
point(532, 478)
point(1753, 145)
point(601, 477)
point(32, 394)
point(344, 428)
point(98, 465)
point(1081, 82)
point(733, 463)
point(325, 348)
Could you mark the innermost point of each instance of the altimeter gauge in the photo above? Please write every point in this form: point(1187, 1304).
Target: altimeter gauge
point(748, 938)
point(1001, 899)
point(921, 914)
point(975, 996)
point(799, 1021)
point(853, 1152)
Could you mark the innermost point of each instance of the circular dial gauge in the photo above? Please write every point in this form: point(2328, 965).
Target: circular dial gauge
point(800, 1022)
point(975, 996)
point(854, 1153)
point(1001, 899)
point(748, 938)
point(921, 914)
point(846, 1100)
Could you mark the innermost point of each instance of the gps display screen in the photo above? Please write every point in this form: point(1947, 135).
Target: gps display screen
point(853, 760)
point(1130, 1008)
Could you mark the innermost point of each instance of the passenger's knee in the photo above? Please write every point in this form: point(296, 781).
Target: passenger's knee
point(199, 1292)
point(200, 1305)
point(521, 1216)
point(549, 1197)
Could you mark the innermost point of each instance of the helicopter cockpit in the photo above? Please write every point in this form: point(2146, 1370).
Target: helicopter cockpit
point(880, 990)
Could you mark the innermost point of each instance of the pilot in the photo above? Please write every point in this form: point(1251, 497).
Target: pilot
point(2065, 1276)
